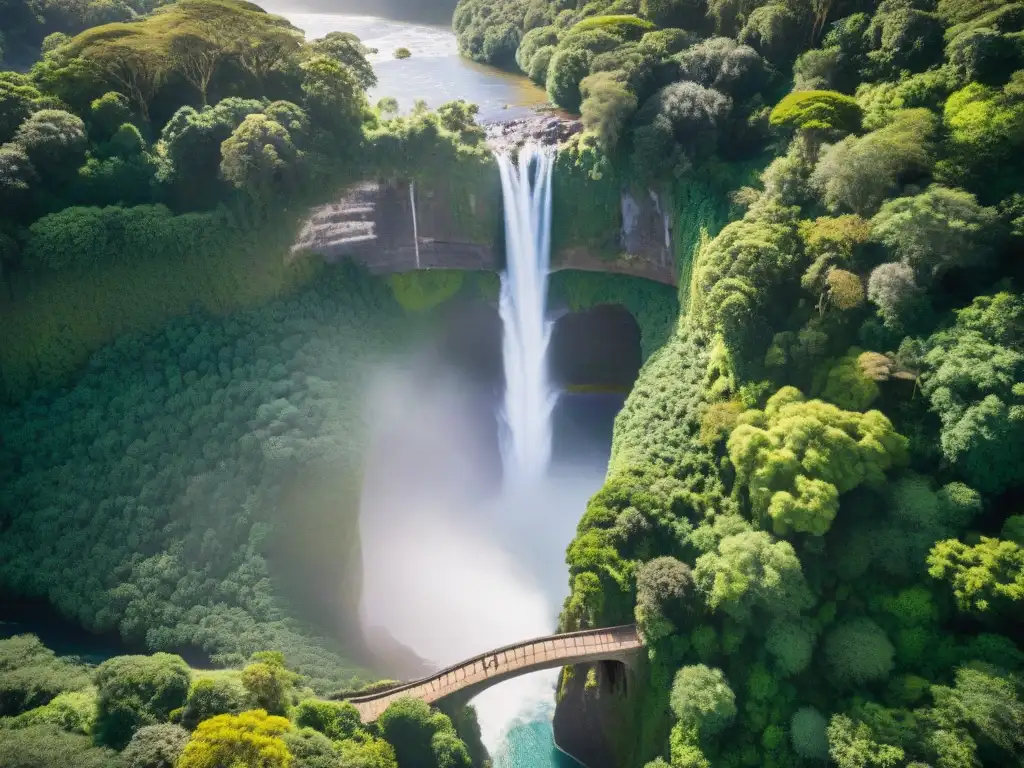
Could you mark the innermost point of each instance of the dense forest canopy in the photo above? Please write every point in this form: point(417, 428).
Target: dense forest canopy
point(181, 435)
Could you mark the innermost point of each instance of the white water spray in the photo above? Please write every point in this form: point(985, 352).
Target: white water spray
point(529, 398)
point(485, 571)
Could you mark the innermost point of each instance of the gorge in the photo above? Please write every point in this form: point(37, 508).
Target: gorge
point(345, 357)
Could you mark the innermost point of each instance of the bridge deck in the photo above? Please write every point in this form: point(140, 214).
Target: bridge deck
point(475, 675)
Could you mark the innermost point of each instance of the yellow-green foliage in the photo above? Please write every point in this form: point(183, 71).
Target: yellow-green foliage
point(797, 456)
point(624, 25)
point(825, 111)
point(251, 738)
point(425, 289)
point(985, 577)
point(718, 421)
point(74, 711)
point(846, 383)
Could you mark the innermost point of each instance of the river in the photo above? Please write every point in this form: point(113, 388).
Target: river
point(434, 73)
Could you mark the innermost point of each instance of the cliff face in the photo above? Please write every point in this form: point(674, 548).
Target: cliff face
point(401, 226)
point(601, 721)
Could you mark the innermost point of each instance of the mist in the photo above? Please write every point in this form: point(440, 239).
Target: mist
point(452, 565)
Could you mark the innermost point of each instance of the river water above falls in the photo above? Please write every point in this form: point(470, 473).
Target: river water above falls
point(435, 73)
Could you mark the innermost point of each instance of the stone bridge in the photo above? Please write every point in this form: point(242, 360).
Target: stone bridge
point(463, 681)
point(399, 226)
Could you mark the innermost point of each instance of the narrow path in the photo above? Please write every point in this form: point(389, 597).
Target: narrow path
point(468, 678)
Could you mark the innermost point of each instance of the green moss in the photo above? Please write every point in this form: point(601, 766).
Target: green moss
point(425, 289)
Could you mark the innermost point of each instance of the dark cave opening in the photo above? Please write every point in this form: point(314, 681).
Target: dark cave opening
point(595, 350)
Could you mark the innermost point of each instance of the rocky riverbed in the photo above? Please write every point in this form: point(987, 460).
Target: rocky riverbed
point(541, 128)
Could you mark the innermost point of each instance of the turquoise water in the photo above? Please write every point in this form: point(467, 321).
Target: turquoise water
point(532, 745)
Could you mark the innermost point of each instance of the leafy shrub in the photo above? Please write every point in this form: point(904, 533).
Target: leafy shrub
point(73, 711)
point(826, 112)
point(702, 699)
point(311, 749)
point(212, 696)
point(155, 746)
point(31, 675)
point(792, 644)
point(410, 727)
point(135, 691)
point(336, 720)
point(269, 683)
point(251, 738)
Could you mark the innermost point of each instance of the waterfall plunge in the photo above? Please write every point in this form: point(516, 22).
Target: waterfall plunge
point(487, 572)
point(526, 429)
point(529, 399)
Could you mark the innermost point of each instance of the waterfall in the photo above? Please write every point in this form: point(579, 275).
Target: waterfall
point(529, 398)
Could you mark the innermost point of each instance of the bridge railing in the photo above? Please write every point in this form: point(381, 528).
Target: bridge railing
point(627, 630)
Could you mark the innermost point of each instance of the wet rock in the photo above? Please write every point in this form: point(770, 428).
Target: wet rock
point(546, 129)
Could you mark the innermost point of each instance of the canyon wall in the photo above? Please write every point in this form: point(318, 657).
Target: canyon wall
point(402, 226)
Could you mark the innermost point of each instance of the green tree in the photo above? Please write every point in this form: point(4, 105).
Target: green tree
point(797, 457)
point(663, 585)
point(808, 731)
point(607, 105)
point(333, 97)
point(269, 683)
point(310, 749)
point(135, 691)
point(410, 727)
point(791, 643)
point(752, 571)
point(568, 67)
point(338, 720)
point(986, 701)
point(449, 751)
point(346, 49)
point(193, 140)
point(702, 699)
point(54, 141)
point(985, 130)
point(988, 576)
point(19, 98)
point(858, 651)
point(859, 172)
point(210, 696)
point(976, 389)
point(17, 176)
point(260, 158)
point(851, 744)
point(937, 230)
